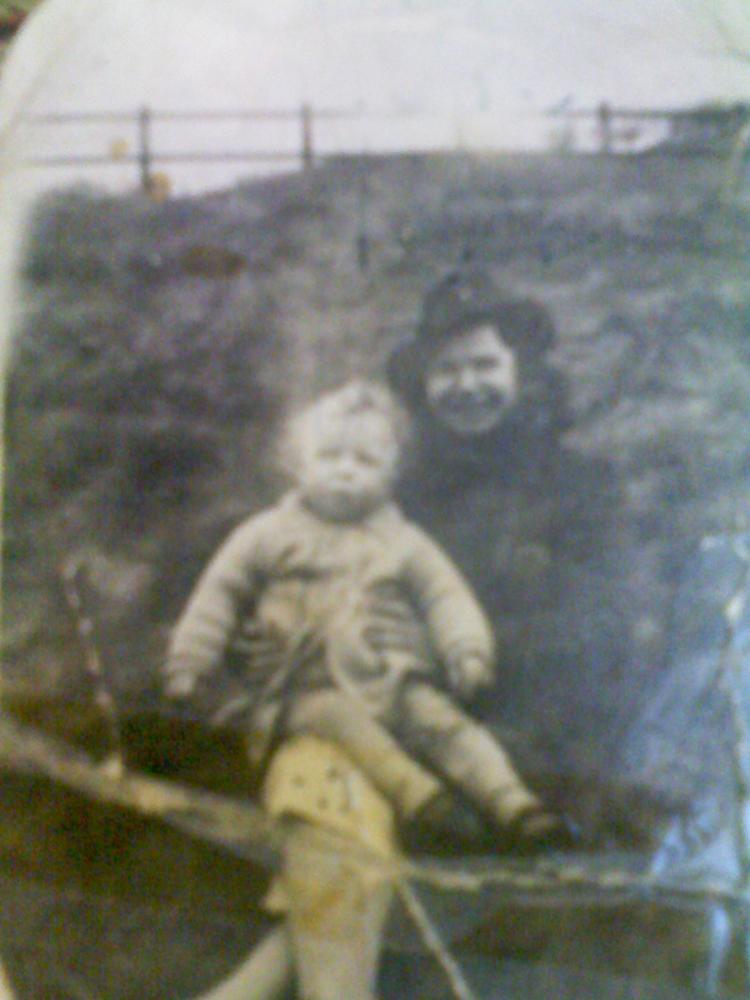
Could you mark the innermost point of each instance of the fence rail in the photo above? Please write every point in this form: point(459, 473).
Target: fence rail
point(704, 130)
point(146, 156)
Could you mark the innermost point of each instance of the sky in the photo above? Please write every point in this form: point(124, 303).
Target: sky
point(410, 74)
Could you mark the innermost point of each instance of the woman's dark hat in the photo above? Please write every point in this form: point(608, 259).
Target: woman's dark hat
point(464, 299)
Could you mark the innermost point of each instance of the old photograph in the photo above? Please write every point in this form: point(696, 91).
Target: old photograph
point(376, 500)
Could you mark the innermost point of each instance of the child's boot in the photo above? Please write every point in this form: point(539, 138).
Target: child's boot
point(445, 825)
point(537, 829)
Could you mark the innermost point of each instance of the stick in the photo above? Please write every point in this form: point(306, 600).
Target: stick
point(246, 831)
point(72, 572)
point(239, 827)
point(434, 943)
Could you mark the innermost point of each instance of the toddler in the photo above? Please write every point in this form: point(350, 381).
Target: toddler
point(309, 571)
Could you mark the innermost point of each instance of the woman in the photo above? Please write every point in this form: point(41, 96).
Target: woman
point(531, 523)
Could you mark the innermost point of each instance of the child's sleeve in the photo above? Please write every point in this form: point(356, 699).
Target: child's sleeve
point(457, 625)
point(224, 590)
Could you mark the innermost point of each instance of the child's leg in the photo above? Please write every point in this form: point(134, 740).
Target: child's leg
point(465, 752)
point(332, 715)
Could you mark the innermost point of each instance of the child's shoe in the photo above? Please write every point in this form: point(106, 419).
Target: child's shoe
point(445, 825)
point(537, 830)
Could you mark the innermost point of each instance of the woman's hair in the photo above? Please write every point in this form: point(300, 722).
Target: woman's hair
point(356, 402)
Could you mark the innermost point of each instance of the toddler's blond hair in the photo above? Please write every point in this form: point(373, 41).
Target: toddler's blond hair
point(355, 401)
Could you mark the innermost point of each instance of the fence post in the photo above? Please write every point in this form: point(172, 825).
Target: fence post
point(306, 120)
point(144, 148)
point(363, 239)
point(604, 115)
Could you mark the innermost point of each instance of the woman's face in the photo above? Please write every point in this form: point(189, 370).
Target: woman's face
point(472, 381)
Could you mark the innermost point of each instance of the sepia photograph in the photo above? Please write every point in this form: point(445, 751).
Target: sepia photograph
point(376, 500)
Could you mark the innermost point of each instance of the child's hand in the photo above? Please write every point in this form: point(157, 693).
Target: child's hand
point(469, 674)
point(258, 648)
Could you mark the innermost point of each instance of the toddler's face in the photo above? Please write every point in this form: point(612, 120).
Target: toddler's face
point(347, 471)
